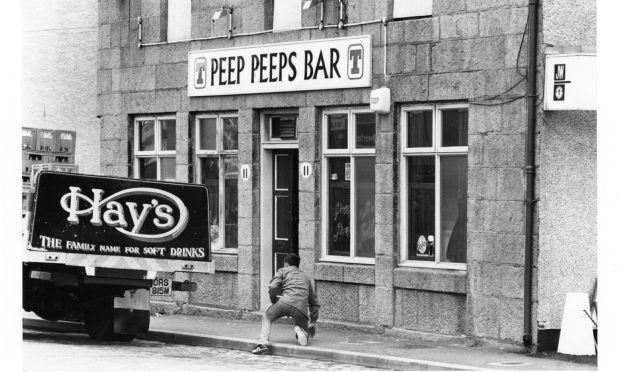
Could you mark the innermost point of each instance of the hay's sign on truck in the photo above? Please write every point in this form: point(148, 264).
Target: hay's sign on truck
point(101, 246)
point(296, 66)
point(108, 216)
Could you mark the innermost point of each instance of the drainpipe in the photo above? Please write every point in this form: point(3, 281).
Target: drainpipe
point(530, 151)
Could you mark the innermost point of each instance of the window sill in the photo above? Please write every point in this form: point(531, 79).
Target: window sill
point(431, 279)
point(225, 251)
point(348, 260)
point(434, 265)
point(344, 273)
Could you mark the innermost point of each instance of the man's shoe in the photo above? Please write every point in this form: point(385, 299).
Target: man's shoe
point(260, 349)
point(301, 336)
point(311, 331)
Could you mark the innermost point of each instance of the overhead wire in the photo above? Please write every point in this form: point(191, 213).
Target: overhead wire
point(484, 101)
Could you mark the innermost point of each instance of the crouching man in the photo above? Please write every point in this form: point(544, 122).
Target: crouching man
point(298, 296)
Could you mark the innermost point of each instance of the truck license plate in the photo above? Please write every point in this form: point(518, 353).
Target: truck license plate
point(161, 287)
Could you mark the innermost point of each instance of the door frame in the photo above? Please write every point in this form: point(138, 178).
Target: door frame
point(266, 204)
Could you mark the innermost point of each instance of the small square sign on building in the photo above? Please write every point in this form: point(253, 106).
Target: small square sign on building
point(570, 81)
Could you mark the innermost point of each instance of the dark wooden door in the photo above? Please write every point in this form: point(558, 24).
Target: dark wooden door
point(285, 206)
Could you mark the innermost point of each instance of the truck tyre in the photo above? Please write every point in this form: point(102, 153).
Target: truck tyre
point(46, 314)
point(99, 319)
point(51, 307)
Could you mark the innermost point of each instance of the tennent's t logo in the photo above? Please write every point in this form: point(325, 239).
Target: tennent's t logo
point(355, 61)
point(200, 73)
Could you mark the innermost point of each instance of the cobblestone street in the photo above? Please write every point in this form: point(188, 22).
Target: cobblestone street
point(43, 351)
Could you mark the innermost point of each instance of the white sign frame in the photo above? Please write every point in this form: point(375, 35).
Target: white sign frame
point(305, 169)
point(570, 81)
point(284, 67)
point(245, 172)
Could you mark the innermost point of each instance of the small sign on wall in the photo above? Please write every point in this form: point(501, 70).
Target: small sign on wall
point(570, 81)
point(305, 169)
point(245, 172)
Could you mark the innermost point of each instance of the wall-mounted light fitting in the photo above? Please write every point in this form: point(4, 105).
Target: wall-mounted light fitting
point(341, 20)
point(225, 11)
point(139, 31)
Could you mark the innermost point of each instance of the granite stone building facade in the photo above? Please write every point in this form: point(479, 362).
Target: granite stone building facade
point(411, 220)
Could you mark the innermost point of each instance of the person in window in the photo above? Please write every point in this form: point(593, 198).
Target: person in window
point(296, 299)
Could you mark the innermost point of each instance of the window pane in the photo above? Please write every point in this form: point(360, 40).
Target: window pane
point(421, 208)
point(146, 134)
point(454, 127)
point(168, 135)
point(168, 169)
point(230, 133)
point(231, 177)
point(420, 129)
point(365, 131)
point(365, 206)
point(283, 127)
point(339, 207)
point(210, 176)
point(208, 133)
point(179, 20)
point(337, 131)
point(453, 208)
point(148, 168)
point(412, 8)
point(286, 14)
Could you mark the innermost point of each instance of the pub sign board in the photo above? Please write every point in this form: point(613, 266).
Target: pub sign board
point(76, 213)
point(336, 63)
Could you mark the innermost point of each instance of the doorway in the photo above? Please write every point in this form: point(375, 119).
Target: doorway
point(279, 213)
point(285, 207)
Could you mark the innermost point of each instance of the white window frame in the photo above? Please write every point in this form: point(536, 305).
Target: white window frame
point(220, 153)
point(438, 151)
point(353, 153)
point(179, 20)
point(155, 153)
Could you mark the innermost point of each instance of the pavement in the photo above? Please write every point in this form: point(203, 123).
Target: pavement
point(333, 343)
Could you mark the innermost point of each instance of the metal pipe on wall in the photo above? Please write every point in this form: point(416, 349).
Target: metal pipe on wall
point(530, 152)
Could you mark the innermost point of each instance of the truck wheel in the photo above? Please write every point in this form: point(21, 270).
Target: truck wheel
point(46, 314)
point(134, 322)
point(51, 308)
point(99, 319)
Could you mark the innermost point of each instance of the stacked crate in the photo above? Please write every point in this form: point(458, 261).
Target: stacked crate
point(46, 146)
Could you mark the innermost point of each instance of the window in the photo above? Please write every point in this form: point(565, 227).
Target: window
point(217, 167)
point(155, 148)
point(434, 186)
point(412, 8)
point(282, 127)
point(286, 14)
point(349, 186)
point(179, 20)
